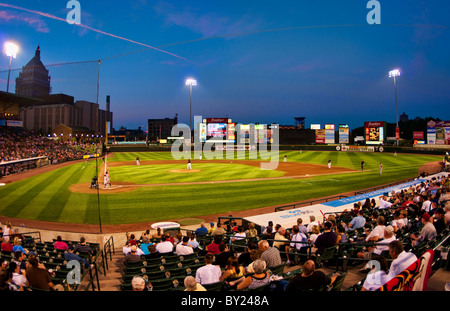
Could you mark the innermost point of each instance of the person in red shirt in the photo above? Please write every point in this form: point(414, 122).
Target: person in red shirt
point(60, 244)
point(6, 247)
point(213, 248)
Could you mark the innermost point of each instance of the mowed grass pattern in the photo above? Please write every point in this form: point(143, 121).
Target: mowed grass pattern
point(47, 196)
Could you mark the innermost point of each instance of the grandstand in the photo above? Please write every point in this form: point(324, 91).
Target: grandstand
point(166, 271)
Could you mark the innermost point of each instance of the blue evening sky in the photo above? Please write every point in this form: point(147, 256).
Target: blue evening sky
point(336, 73)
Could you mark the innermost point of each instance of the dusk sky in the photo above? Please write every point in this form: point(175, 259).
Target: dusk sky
point(255, 61)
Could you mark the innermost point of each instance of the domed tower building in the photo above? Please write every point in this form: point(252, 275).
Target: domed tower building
point(34, 80)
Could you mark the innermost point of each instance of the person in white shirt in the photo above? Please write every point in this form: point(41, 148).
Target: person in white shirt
point(384, 203)
point(295, 244)
point(183, 248)
point(401, 258)
point(209, 273)
point(381, 245)
point(426, 205)
point(164, 246)
point(312, 222)
point(378, 275)
point(378, 232)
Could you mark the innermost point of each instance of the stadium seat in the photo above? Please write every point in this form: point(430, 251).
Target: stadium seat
point(214, 286)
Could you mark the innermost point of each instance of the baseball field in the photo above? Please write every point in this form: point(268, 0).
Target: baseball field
point(161, 188)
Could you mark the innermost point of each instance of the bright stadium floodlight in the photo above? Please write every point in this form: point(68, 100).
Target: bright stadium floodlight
point(393, 74)
point(190, 82)
point(10, 49)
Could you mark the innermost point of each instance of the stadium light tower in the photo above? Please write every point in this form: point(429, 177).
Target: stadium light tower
point(10, 49)
point(190, 82)
point(393, 74)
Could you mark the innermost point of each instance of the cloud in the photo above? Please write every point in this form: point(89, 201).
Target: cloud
point(307, 66)
point(207, 24)
point(34, 22)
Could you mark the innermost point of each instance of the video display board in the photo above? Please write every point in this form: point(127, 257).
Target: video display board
point(374, 132)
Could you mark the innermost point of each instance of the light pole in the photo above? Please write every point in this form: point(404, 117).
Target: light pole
point(10, 50)
point(392, 74)
point(190, 83)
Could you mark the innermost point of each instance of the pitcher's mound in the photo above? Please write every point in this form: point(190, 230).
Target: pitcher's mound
point(184, 171)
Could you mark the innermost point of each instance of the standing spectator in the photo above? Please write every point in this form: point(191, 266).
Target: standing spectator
point(310, 279)
point(208, 273)
point(270, 255)
point(7, 232)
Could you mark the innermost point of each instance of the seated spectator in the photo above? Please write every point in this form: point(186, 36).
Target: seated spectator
point(380, 247)
point(138, 284)
point(18, 277)
point(212, 227)
point(378, 275)
point(6, 283)
point(222, 259)
point(193, 242)
point(396, 223)
point(132, 256)
point(191, 285)
point(164, 246)
point(401, 258)
point(233, 270)
point(312, 222)
point(255, 254)
point(341, 236)
point(310, 279)
point(240, 235)
point(20, 259)
point(60, 244)
point(439, 221)
point(384, 203)
point(271, 255)
point(219, 230)
point(213, 247)
point(208, 273)
point(145, 244)
point(269, 225)
point(428, 232)
point(315, 231)
point(325, 239)
point(37, 276)
point(299, 241)
point(357, 222)
point(183, 248)
point(158, 234)
point(378, 232)
point(70, 255)
point(18, 246)
point(152, 252)
point(280, 239)
point(301, 226)
point(84, 249)
point(202, 230)
point(260, 277)
point(245, 257)
point(251, 232)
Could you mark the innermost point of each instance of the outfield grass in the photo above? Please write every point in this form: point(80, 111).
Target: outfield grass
point(47, 196)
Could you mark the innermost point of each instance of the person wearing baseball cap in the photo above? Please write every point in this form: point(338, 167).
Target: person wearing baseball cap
point(427, 233)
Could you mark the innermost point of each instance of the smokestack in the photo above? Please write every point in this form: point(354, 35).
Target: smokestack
point(108, 103)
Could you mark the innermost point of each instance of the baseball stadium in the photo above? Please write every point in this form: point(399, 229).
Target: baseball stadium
point(247, 207)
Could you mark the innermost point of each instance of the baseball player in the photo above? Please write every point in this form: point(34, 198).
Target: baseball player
point(137, 161)
point(106, 180)
point(189, 165)
point(329, 163)
point(381, 168)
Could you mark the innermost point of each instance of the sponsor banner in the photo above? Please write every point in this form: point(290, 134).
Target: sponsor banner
point(320, 136)
point(217, 120)
point(343, 134)
point(358, 148)
point(234, 147)
point(413, 278)
point(374, 124)
point(418, 135)
point(14, 123)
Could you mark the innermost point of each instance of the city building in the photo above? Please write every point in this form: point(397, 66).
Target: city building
point(34, 79)
point(160, 128)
